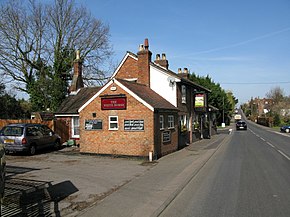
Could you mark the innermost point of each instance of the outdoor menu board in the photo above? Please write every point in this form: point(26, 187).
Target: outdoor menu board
point(134, 125)
point(95, 124)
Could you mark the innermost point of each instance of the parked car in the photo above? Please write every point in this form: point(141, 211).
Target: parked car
point(2, 172)
point(285, 129)
point(241, 125)
point(28, 138)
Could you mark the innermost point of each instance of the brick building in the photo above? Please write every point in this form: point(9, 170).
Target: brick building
point(176, 88)
point(143, 108)
point(123, 118)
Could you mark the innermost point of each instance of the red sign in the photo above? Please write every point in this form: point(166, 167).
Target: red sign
point(114, 103)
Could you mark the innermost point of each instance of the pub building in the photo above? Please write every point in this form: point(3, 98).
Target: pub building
point(144, 109)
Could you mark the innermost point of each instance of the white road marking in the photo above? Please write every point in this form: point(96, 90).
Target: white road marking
point(281, 152)
point(285, 155)
point(270, 144)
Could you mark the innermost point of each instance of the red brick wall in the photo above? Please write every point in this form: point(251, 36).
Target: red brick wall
point(129, 69)
point(117, 142)
point(121, 142)
point(140, 68)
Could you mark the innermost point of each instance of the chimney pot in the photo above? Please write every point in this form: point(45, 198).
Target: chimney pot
point(185, 70)
point(157, 56)
point(77, 55)
point(141, 47)
point(146, 44)
point(179, 70)
point(163, 56)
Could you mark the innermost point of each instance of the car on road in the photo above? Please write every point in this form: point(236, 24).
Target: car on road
point(285, 129)
point(28, 138)
point(241, 125)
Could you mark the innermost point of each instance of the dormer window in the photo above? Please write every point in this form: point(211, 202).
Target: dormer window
point(183, 94)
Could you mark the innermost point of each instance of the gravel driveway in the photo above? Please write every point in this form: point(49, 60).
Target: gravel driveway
point(65, 182)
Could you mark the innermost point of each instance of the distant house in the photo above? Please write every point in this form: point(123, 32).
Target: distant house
point(260, 107)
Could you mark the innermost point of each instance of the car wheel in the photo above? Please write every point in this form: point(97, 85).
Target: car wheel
point(287, 130)
point(32, 150)
point(57, 145)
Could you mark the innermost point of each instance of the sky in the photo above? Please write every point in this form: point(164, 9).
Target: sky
point(244, 45)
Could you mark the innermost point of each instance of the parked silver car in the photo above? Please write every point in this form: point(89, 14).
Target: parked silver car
point(28, 138)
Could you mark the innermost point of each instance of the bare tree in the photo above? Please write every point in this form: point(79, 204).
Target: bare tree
point(276, 94)
point(38, 42)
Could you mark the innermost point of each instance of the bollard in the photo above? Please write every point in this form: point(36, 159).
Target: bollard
point(150, 156)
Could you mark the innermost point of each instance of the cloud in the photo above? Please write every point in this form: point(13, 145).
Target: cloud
point(239, 43)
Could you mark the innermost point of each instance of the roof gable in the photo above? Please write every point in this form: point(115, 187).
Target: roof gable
point(140, 92)
point(128, 55)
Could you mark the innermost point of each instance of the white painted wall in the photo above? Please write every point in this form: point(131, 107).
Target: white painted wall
point(159, 82)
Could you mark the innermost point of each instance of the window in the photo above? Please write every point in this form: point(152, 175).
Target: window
point(45, 130)
point(113, 123)
point(170, 121)
point(161, 119)
point(183, 123)
point(183, 94)
point(75, 127)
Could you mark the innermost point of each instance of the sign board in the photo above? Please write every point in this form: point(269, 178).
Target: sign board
point(200, 102)
point(134, 125)
point(114, 103)
point(95, 124)
point(166, 136)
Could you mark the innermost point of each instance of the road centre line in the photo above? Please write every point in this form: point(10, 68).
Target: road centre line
point(270, 144)
point(285, 155)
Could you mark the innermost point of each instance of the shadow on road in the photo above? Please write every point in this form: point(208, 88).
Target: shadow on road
point(27, 197)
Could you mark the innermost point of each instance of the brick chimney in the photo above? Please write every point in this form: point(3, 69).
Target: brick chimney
point(77, 80)
point(163, 61)
point(184, 73)
point(144, 59)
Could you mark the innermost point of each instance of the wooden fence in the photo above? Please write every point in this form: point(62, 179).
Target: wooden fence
point(58, 126)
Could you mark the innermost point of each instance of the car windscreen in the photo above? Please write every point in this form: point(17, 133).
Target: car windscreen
point(12, 131)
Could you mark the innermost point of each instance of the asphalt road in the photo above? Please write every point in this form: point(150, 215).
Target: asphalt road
point(248, 176)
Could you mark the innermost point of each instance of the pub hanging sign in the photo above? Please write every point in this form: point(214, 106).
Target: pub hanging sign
point(200, 102)
point(118, 103)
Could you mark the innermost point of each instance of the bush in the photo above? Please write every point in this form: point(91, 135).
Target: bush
point(276, 120)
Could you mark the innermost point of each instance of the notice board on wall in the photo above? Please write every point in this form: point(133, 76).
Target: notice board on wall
point(134, 125)
point(94, 124)
point(166, 136)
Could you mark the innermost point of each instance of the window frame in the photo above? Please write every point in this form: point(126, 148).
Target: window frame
point(183, 94)
point(113, 122)
point(170, 120)
point(161, 122)
point(75, 124)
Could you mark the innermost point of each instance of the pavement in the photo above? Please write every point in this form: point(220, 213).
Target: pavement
point(150, 193)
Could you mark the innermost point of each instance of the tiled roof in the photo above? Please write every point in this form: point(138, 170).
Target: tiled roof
point(148, 95)
point(73, 102)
